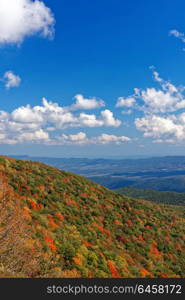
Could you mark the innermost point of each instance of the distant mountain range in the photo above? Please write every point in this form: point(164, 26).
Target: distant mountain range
point(158, 173)
point(57, 224)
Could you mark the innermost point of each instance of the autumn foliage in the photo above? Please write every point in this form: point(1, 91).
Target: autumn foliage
point(57, 224)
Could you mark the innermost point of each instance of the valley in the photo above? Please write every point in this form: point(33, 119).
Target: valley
point(156, 173)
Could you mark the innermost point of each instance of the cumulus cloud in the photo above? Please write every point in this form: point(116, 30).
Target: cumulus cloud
point(126, 102)
point(160, 101)
point(167, 98)
point(11, 80)
point(109, 120)
point(75, 139)
point(59, 117)
point(109, 139)
point(82, 139)
point(26, 114)
point(26, 123)
point(163, 118)
point(38, 136)
point(22, 18)
point(84, 103)
point(89, 121)
point(166, 129)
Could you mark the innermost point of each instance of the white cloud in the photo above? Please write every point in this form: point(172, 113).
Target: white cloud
point(162, 108)
point(25, 114)
point(82, 139)
point(167, 98)
point(159, 101)
point(22, 18)
point(126, 102)
point(48, 113)
point(178, 34)
point(75, 139)
point(35, 124)
point(11, 80)
point(109, 120)
point(171, 128)
point(84, 103)
point(157, 77)
point(52, 113)
point(36, 136)
point(89, 121)
point(166, 85)
point(109, 139)
point(16, 127)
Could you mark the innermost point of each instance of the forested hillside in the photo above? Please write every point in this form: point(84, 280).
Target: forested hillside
point(57, 224)
point(172, 198)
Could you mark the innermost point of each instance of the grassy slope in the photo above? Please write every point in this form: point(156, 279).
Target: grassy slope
point(58, 224)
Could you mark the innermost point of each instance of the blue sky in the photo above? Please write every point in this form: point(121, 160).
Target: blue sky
point(94, 53)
